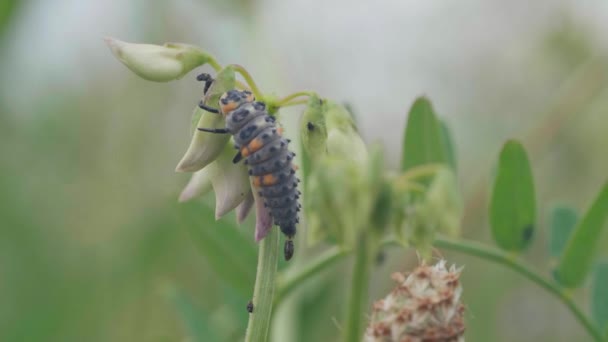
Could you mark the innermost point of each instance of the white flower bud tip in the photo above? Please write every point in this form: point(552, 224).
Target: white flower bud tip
point(159, 63)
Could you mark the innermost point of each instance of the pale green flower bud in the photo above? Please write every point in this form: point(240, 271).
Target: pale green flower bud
point(312, 128)
point(439, 210)
point(344, 185)
point(204, 146)
point(345, 198)
point(424, 307)
point(159, 63)
point(343, 139)
point(445, 203)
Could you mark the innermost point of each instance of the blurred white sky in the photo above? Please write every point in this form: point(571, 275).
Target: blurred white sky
point(377, 57)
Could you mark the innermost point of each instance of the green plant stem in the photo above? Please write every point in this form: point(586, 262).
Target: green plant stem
point(265, 281)
point(254, 87)
point(359, 291)
point(293, 103)
point(493, 254)
point(282, 102)
point(214, 64)
point(288, 282)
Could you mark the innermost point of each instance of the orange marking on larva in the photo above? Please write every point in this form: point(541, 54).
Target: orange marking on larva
point(255, 145)
point(257, 181)
point(280, 130)
point(295, 167)
point(230, 106)
point(269, 179)
point(245, 151)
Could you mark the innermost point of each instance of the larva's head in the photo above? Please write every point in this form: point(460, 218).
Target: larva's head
point(233, 99)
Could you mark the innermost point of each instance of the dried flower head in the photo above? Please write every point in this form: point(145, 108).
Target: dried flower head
point(424, 307)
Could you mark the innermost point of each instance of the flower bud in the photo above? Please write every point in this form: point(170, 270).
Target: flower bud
point(343, 199)
point(424, 307)
point(343, 139)
point(438, 211)
point(312, 128)
point(344, 185)
point(444, 202)
point(159, 63)
point(205, 146)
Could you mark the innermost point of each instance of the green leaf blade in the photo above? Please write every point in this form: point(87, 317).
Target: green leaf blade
point(599, 295)
point(562, 222)
point(230, 254)
point(424, 141)
point(577, 259)
point(448, 145)
point(195, 321)
point(513, 202)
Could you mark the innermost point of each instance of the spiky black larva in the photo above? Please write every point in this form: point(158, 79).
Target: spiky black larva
point(260, 142)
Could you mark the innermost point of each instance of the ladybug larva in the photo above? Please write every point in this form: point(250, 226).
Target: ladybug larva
point(260, 143)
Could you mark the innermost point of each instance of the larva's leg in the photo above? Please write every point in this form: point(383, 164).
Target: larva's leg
point(237, 158)
point(207, 108)
point(207, 79)
point(214, 130)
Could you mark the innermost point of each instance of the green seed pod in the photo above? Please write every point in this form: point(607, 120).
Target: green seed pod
point(158, 63)
point(204, 146)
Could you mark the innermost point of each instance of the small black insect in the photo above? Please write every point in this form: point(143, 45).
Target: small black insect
point(259, 141)
point(250, 307)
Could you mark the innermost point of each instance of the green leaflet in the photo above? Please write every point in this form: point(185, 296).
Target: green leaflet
point(195, 321)
point(582, 246)
point(231, 255)
point(448, 145)
point(561, 224)
point(424, 142)
point(599, 295)
point(513, 203)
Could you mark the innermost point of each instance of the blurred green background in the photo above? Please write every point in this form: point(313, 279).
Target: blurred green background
point(94, 247)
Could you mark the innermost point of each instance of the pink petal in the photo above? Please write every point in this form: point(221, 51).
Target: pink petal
point(263, 220)
point(242, 211)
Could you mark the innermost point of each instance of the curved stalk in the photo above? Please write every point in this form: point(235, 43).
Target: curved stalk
point(263, 293)
point(282, 102)
point(471, 248)
point(254, 87)
point(493, 254)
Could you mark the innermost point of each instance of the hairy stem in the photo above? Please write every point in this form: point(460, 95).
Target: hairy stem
point(495, 255)
point(359, 290)
point(263, 293)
